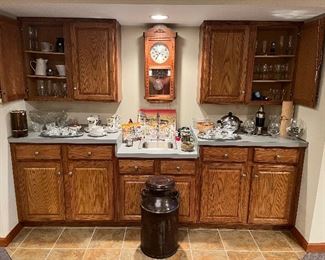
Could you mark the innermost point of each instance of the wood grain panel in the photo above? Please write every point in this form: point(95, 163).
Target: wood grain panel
point(186, 189)
point(90, 152)
point(309, 62)
point(37, 152)
point(136, 166)
point(224, 154)
point(272, 195)
point(95, 60)
point(12, 86)
point(183, 167)
point(224, 193)
point(130, 197)
point(276, 155)
point(91, 190)
point(223, 62)
point(41, 188)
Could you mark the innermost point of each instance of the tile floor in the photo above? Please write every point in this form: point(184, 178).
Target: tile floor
point(123, 243)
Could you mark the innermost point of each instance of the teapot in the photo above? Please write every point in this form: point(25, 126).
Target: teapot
point(39, 66)
point(229, 123)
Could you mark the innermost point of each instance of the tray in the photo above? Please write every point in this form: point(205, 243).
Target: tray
point(43, 134)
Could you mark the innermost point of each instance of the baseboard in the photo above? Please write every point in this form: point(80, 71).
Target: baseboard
point(308, 247)
point(13, 233)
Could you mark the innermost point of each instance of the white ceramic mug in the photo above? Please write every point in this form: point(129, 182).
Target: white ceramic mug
point(97, 130)
point(60, 69)
point(39, 66)
point(46, 46)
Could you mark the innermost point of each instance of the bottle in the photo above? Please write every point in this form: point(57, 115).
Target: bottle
point(260, 120)
point(273, 48)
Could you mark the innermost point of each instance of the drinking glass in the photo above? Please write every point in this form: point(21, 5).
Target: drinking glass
point(41, 89)
point(273, 128)
point(249, 125)
point(265, 71)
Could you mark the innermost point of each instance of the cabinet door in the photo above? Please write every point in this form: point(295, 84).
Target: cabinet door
point(95, 61)
point(40, 191)
point(12, 85)
point(90, 190)
point(224, 193)
point(224, 61)
point(186, 189)
point(309, 62)
point(272, 195)
point(130, 197)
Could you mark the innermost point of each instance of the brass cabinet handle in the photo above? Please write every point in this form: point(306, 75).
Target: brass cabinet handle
point(70, 173)
point(36, 153)
point(59, 173)
point(256, 176)
point(136, 168)
point(75, 88)
point(89, 153)
point(244, 175)
point(243, 91)
point(277, 157)
point(226, 155)
point(178, 168)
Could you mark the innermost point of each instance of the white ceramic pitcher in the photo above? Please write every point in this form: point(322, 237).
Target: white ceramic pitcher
point(39, 66)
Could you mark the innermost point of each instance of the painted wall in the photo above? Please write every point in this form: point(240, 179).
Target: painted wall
point(187, 51)
point(8, 211)
point(312, 193)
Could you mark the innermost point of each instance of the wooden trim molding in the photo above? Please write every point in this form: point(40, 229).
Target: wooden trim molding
point(308, 247)
point(13, 233)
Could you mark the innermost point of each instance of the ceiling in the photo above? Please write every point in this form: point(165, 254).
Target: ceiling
point(181, 12)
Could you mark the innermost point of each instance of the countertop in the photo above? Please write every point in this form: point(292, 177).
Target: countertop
point(34, 137)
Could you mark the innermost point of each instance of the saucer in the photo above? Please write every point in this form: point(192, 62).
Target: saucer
point(97, 134)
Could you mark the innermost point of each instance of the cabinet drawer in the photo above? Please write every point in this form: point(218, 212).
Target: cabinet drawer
point(225, 154)
point(37, 152)
point(177, 167)
point(93, 152)
point(136, 166)
point(276, 155)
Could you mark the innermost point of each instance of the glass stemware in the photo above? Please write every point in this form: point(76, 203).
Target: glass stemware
point(273, 128)
point(249, 125)
point(296, 128)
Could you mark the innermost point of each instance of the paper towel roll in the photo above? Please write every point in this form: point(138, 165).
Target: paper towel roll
point(286, 116)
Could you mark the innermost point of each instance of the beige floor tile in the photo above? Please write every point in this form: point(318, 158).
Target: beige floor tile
point(75, 238)
point(183, 241)
point(28, 254)
point(204, 239)
point(19, 238)
point(235, 255)
point(300, 255)
point(238, 240)
point(42, 238)
point(280, 256)
point(132, 238)
point(292, 241)
point(10, 250)
point(66, 254)
point(133, 254)
point(209, 255)
point(102, 254)
point(271, 241)
point(107, 238)
point(181, 255)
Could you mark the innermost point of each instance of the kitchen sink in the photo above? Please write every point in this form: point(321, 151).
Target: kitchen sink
point(157, 144)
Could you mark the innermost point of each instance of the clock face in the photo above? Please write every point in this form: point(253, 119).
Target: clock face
point(159, 53)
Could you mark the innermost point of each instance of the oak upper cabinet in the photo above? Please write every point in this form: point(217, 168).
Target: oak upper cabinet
point(89, 186)
point(309, 62)
point(130, 196)
point(224, 193)
point(273, 194)
point(12, 85)
point(224, 49)
point(95, 56)
point(39, 190)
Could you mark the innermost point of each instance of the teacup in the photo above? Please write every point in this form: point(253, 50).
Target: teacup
point(97, 130)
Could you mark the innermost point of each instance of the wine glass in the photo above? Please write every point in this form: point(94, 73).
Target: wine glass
point(273, 128)
point(249, 125)
point(295, 129)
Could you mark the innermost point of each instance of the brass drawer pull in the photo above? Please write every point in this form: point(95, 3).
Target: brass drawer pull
point(59, 173)
point(276, 157)
point(136, 168)
point(244, 175)
point(256, 176)
point(89, 153)
point(70, 173)
point(225, 156)
point(36, 153)
point(178, 168)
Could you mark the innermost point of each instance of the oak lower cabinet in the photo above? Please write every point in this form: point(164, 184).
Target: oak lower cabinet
point(41, 191)
point(90, 190)
point(272, 194)
point(224, 193)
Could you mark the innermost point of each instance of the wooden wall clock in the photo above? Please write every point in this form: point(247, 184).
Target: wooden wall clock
point(159, 51)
